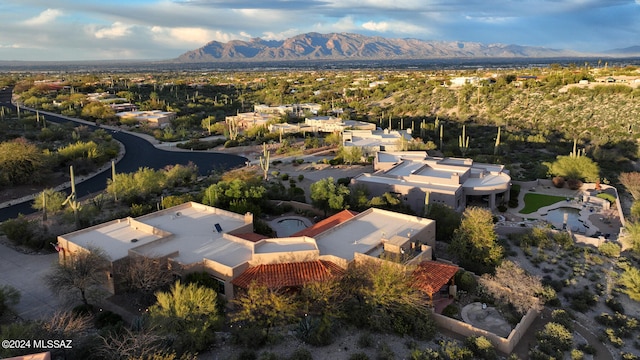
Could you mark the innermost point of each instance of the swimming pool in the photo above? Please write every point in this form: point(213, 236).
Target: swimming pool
point(566, 215)
point(286, 226)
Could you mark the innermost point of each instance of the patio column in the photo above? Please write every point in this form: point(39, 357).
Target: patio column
point(492, 201)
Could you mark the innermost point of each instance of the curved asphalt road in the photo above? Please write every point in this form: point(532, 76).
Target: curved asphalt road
point(139, 153)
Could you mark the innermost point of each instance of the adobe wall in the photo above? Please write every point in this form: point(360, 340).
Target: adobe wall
point(504, 345)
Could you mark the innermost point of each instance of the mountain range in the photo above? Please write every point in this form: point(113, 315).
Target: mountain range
point(347, 46)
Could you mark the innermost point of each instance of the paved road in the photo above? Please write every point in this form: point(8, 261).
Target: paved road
point(139, 153)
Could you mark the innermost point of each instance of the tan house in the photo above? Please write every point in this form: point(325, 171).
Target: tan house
point(195, 237)
point(152, 118)
point(420, 180)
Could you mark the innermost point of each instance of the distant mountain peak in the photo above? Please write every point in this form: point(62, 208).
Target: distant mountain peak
point(350, 46)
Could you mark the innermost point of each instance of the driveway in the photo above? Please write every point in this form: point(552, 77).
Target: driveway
point(25, 273)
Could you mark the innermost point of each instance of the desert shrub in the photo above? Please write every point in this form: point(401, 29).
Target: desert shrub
point(587, 349)
point(301, 354)
point(481, 347)
point(574, 184)
point(253, 337)
point(316, 331)
point(563, 239)
point(554, 339)
point(502, 208)
point(610, 249)
point(628, 356)
point(9, 296)
point(610, 198)
point(284, 177)
point(558, 181)
point(466, 281)
point(451, 311)
point(365, 340)
point(426, 354)
point(231, 143)
point(108, 318)
point(514, 191)
point(359, 356)
point(577, 354)
point(563, 318)
point(385, 352)
point(614, 305)
point(452, 350)
point(513, 203)
point(343, 181)
point(18, 230)
point(613, 338)
point(300, 177)
point(583, 300)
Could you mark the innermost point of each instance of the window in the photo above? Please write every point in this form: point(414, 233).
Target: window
point(220, 285)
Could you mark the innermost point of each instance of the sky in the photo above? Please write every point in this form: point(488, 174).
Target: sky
point(66, 30)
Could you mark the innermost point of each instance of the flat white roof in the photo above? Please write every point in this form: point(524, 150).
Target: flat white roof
point(114, 237)
point(488, 181)
point(188, 230)
point(195, 235)
point(365, 232)
point(382, 179)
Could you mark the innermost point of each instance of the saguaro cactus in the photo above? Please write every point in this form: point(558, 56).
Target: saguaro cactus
point(264, 161)
point(72, 199)
point(463, 141)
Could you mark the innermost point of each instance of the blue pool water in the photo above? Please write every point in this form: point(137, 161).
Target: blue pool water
point(286, 227)
point(567, 215)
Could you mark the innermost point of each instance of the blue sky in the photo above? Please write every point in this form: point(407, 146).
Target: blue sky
point(164, 29)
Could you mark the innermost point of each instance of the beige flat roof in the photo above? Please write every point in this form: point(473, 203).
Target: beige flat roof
point(195, 236)
point(365, 232)
point(113, 237)
point(188, 229)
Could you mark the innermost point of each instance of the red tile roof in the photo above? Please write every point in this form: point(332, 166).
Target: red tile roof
point(431, 276)
point(288, 274)
point(327, 223)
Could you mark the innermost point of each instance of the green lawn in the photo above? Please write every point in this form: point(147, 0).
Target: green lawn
point(533, 202)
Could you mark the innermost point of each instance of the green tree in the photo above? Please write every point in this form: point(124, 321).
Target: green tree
point(79, 272)
point(475, 243)
point(263, 308)
point(327, 195)
point(631, 238)
point(630, 280)
point(382, 298)
point(49, 201)
point(350, 154)
point(447, 220)
point(97, 110)
point(188, 313)
point(21, 162)
point(578, 167)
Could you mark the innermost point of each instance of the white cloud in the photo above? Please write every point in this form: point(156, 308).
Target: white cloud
point(44, 17)
point(345, 24)
point(393, 27)
point(116, 30)
point(177, 37)
point(382, 26)
point(268, 35)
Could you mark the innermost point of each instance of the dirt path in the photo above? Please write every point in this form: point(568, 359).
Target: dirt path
point(602, 353)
